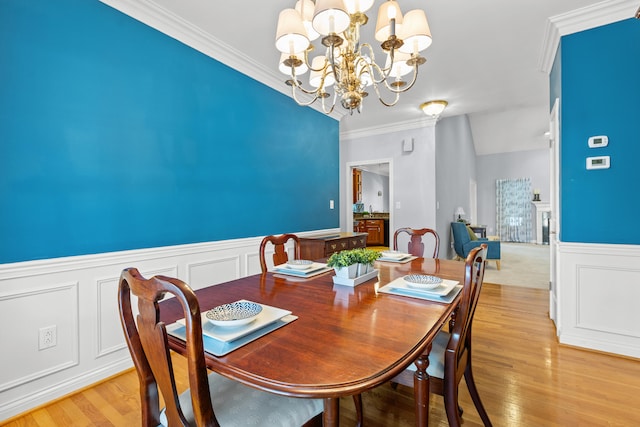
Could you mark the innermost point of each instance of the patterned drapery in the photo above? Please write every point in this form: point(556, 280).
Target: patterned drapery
point(513, 209)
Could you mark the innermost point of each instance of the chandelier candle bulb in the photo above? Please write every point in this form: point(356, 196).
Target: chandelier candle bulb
point(392, 21)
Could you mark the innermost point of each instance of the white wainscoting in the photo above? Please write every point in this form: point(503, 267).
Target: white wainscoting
point(78, 295)
point(598, 294)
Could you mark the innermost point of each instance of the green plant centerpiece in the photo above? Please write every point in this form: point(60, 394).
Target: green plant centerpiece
point(353, 263)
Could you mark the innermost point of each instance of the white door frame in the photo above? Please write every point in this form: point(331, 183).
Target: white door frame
point(554, 221)
point(473, 201)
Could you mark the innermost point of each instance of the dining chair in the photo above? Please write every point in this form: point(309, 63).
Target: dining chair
point(450, 356)
point(416, 244)
point(280, 253)
point(235, 403)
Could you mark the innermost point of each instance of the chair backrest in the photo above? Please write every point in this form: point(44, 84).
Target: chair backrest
point(416, 245)
point(147, 340)
point(280, 254)
point(460, 328)
point(460, 237)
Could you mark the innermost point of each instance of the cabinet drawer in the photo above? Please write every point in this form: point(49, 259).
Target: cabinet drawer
point(336, 246)
point(358, 242)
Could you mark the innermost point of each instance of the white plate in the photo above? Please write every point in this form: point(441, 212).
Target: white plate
point(267, 317)
point(394, 254)
point(234, 314)
point(422, 281)
point(299, 264)
point(441, 290)
point(315, 268)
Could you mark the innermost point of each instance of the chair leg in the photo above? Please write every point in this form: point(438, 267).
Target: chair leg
point(451, 405)
point(498, 264)
point(473, 391)
point(357, 401)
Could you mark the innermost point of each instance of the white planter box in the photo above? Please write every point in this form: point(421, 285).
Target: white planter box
point(355, 281)
point(364, 269)
point(347, 272)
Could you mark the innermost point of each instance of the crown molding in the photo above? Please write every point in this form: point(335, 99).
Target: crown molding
point(596, 15)
point(388, 128)
point(167, 22)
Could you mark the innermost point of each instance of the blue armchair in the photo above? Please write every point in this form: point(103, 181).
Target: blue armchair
point(462, 243)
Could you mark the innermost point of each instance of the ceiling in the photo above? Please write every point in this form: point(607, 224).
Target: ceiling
point(486, 59)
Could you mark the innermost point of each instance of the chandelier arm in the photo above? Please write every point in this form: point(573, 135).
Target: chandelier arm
point(333, 105)
point(382, 72)
point(301, 103)
point(404, 89)
point(332, 61)
point(386, 104)
point(295, 84)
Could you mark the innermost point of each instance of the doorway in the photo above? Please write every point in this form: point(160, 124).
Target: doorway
point(377, 199)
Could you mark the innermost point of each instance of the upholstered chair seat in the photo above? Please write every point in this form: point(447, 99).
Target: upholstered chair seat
point(238, 405)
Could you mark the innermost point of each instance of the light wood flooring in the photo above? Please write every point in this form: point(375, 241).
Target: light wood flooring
point(524, 377)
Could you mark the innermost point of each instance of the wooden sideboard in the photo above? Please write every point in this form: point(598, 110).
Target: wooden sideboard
point(319, 247)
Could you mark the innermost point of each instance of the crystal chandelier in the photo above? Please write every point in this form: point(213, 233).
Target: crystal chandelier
point(345, 62)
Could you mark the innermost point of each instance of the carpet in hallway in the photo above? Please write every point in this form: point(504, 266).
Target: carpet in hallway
point(521, 264)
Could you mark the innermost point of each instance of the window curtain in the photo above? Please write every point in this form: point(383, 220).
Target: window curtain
point(513, 210)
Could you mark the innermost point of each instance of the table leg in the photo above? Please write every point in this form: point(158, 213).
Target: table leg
point(331, 415)
point(421, 389)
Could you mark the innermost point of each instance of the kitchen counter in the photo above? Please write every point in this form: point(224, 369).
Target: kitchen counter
point(375, 215)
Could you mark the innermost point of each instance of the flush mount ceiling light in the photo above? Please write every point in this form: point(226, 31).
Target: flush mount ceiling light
point(344, 61)
point(434, 108)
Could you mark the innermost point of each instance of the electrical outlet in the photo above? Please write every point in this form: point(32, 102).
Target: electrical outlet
point(47, 337)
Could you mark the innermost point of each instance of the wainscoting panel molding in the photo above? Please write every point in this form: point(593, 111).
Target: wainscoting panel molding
point(598, 291)
point(109, 331)
point(52, 306)
point(78, 295)
point(213, 271)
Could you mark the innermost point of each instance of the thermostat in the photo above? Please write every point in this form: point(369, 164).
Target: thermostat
point(601, 162)
point(598, 141)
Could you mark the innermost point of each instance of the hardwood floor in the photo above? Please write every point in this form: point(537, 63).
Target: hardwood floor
point(524, 377)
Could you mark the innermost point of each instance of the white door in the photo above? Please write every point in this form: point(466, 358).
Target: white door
point(554, 223)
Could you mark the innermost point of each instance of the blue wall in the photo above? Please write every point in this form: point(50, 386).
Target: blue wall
point(114, 136)
point(600, 96)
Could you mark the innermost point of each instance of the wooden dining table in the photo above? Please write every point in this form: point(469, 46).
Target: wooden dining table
point(346, 340)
